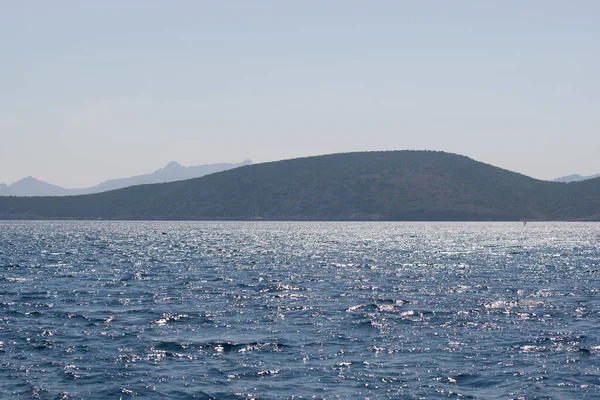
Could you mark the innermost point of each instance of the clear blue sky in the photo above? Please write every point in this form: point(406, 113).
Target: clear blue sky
point(92, 90)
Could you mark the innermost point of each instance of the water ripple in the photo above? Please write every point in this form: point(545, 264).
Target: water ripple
point(293, 310)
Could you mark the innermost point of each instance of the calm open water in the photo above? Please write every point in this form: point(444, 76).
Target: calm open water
point(299, 310)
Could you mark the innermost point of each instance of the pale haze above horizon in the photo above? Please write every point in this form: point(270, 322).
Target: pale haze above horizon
point(92, 91)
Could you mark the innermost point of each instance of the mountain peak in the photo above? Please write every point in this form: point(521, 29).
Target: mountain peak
point(28, 179)
point(173, 164)
point(30, 186)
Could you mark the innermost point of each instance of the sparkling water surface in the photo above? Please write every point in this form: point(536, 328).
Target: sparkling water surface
point(273, 310)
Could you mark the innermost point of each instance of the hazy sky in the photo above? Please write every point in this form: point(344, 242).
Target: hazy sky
point(92, 90)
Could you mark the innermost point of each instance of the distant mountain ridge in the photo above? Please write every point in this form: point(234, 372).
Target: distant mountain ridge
point(30, 186)
point(575, 178)
point(4, 190)
point(386, 185)
point(173, 171)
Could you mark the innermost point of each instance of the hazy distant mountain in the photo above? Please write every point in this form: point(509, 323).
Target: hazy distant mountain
point(173, 171)
point(575, 178)
point(390, 185)
point(34, 187)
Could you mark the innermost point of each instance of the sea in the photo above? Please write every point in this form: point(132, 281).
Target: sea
point(299, 310)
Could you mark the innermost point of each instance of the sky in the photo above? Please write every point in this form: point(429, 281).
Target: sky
point(91, 91)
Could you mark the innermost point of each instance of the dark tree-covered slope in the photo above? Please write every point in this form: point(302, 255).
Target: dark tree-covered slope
point(389, 185)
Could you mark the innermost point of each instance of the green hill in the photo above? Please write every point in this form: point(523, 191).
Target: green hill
point(390, 185)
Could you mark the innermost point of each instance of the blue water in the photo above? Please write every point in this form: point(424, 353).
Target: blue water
point(277, 310)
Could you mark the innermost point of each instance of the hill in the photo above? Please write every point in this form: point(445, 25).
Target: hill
point(391, 185)
point(171, 172)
